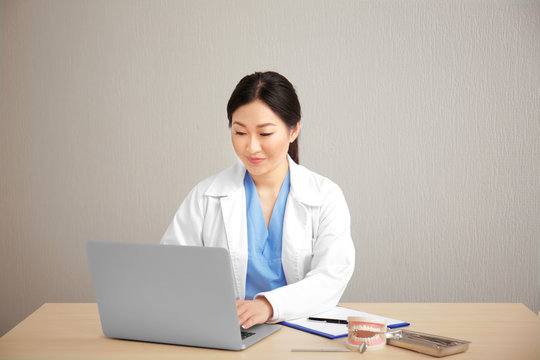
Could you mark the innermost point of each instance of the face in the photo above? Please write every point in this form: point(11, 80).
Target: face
point(261, 139)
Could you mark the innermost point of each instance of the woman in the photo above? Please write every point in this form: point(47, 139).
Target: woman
point(287, 229)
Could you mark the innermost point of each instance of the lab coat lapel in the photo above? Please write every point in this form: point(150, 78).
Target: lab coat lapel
point(233, 209)
point(229, 188)
point(297, 227)
point(294, 237)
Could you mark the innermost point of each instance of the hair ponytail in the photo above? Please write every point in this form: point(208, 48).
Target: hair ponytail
point(293, 151)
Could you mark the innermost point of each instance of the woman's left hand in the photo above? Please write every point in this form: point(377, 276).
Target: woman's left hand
point(251, 312)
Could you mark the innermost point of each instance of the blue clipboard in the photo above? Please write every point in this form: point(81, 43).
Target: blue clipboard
point(318, 328)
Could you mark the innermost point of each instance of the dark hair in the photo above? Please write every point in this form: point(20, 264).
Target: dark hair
point(275, 91)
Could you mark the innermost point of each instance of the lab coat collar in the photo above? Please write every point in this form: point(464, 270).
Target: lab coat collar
point(303, 184)
point(227, 182)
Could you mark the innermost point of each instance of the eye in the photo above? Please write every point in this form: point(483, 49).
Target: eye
point(239, 133)
point(266, 134)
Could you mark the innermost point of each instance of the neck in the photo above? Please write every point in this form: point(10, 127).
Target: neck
point(272, 179)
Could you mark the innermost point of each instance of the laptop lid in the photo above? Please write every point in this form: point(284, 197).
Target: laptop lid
point(169, 294)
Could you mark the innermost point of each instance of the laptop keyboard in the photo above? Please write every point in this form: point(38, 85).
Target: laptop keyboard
point(246, 334)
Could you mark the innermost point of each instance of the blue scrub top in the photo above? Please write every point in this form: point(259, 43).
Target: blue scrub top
point(264, 271)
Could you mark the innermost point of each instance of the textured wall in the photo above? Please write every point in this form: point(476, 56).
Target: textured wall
point(426, 113)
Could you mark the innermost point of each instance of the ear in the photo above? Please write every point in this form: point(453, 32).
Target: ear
point(295, 132)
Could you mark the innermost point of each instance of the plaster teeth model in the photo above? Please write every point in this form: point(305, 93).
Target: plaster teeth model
point(370, 331)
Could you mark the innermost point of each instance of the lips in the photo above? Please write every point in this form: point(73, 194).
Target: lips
point(255, 160)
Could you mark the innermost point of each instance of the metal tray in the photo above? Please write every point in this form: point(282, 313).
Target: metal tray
point(429, 344)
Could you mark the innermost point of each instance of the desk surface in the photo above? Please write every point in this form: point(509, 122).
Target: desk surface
point(497, 331)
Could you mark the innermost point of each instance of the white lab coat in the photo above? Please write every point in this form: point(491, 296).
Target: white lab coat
point(317, 249)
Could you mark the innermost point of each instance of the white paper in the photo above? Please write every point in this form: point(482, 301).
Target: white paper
point(340, 313)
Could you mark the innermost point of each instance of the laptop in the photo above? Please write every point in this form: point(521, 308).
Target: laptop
point(182, 295)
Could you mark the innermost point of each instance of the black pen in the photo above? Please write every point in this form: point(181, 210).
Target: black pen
point(333, 321)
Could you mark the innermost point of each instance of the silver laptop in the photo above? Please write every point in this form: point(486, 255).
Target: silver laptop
point(169, 294)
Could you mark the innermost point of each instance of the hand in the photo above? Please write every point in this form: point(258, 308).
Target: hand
point(251, 312)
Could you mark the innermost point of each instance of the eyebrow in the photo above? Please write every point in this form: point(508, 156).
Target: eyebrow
point(258, 126)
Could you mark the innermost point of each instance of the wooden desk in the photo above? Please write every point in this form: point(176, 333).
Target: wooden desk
point(497, 331)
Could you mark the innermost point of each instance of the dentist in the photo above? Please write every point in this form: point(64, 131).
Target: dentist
point(287, 229)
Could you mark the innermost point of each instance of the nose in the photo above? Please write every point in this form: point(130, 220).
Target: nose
point(253, 145)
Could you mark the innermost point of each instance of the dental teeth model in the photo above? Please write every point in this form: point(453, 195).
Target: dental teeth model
point(370, 331)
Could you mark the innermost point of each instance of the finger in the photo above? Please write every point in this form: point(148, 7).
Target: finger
point(241, 304)
point(252, 319)
point(243, 313)
point(244, 316)
point(249, 323)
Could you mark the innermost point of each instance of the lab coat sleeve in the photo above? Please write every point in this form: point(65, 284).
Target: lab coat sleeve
point(187, 224)
point(332, 265)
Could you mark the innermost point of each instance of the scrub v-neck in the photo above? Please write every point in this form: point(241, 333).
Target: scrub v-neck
point(265, 271)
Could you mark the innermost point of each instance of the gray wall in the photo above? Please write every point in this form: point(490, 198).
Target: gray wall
point(425, 112)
